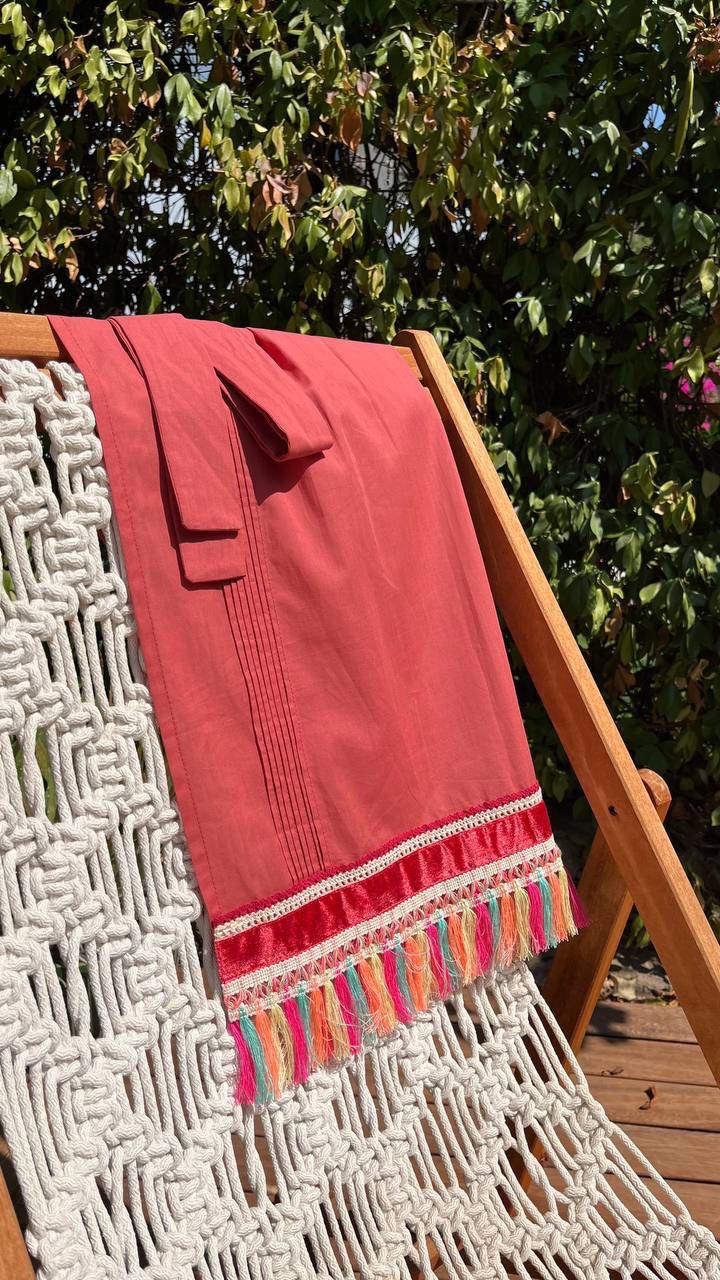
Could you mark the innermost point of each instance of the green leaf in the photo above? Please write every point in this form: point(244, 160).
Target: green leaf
point(535, 312)
point(276, 65)
point(177, 89)
point(224, 106)
point(709, 483)
point(231, 194)
point(119, 55)
point(695, 365)
point(150, 300)
point(707, 275)
point(8, 187)
point(497, 373)
point(647, 594)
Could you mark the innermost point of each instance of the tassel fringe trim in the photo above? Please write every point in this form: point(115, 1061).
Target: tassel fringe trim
point(279, 1046)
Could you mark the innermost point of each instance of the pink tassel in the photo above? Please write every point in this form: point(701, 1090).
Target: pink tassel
point(349, 1013)
point(483, 938)
point(579, 913)
point(537, 928)
point(301, 1057)
point(245, 1084)
point(437, 964)
point(391, 981)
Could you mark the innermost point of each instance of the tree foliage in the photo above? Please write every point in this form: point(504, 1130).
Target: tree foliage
point(535, 183)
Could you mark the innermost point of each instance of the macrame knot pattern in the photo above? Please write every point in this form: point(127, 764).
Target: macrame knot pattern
point(117, 1071)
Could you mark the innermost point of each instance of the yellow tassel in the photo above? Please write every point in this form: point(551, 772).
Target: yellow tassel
point(570, 926)
point(469, 927)
point(336, 1022)
point(457, 944)
point(387, 1008)
point(522, 921)
point(282, 1039)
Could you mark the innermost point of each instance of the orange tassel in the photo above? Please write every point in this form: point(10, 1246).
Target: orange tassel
point(265, 1036)
point(457, 946)
point(377, 998)
point(559, 923)
point(508, 930)
point(319, 1029)
point(389, 1015)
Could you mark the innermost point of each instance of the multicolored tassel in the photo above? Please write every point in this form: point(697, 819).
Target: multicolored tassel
point(371, 993)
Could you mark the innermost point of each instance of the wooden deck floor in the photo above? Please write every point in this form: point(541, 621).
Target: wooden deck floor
point(643, 1064)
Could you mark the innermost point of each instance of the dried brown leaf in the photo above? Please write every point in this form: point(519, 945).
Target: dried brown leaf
point(651, 1095)
point(351, 128)
point(554, 427)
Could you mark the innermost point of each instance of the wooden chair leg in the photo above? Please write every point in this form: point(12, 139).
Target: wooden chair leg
point(580, 967)
point(15, 1261)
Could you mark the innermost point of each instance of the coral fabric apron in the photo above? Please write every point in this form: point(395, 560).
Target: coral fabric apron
point(329, 678)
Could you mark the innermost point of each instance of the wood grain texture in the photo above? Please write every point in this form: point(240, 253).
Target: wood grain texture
point(578, 971)
point(649, 1060)
point(641, 1021)
point(689, 1156)
point(27, 338)
point(645, 857)
point(14, 1258)
point(673, 1106)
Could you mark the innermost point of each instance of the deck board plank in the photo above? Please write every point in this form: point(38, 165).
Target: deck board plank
point(678, 1154)
point(641, 1022)
point(650, 1060)
point(629, 1048)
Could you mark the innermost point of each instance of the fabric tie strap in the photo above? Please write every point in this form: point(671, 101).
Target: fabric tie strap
point(194, 429)
point(197, 404)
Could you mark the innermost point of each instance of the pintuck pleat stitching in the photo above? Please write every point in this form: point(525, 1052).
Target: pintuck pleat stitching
point(252, 619)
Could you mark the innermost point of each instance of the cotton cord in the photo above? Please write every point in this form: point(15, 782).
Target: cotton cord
point(117, 1070)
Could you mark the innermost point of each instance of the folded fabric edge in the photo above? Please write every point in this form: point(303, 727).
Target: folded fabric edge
point(328, 1003)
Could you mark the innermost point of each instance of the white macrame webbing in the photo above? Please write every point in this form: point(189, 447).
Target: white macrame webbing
point(115, 1067)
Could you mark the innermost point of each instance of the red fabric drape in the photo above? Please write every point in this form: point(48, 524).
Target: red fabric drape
point(321, 644)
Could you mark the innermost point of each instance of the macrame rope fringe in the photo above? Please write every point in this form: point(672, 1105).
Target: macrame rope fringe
point(279, 1047)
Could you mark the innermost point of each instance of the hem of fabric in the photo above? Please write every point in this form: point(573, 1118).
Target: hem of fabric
point(489, 890)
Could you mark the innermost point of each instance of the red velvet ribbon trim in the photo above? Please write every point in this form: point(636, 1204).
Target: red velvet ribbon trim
point(271, 942)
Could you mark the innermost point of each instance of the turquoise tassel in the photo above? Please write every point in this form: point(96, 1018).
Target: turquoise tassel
point(303, 1005)
point(252, 1040)
point(550, 934)
point(361, 1004)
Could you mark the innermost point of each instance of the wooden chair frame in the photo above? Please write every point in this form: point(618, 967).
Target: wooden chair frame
point(632, 858)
